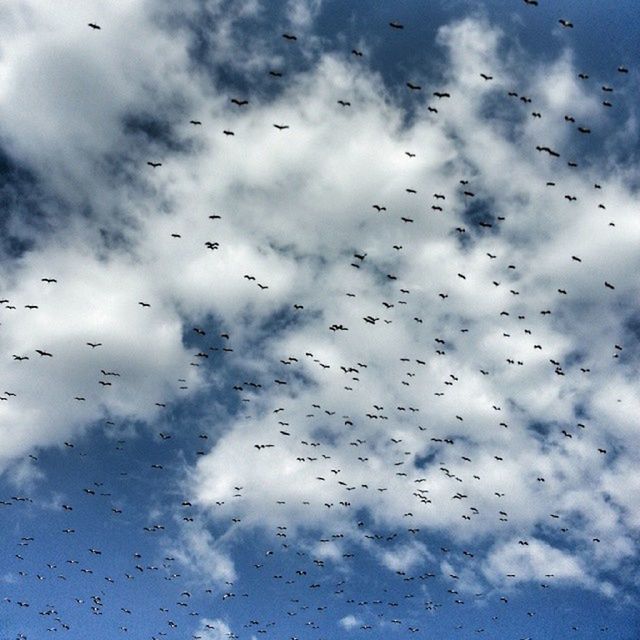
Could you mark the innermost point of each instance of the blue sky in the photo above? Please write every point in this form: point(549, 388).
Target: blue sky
point(371, 373)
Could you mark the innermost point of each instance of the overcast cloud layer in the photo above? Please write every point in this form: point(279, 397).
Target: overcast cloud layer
point(390, 331)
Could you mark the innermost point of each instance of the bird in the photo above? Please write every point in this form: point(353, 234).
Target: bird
point(414, 87)
point(396, 25)
point(239, 102)
point(566, 23)
point(227, 132)
point(44, 353)
point(281, 127)
point(154, 164)
point(289, 36)
point(93, 345)
point(94, 26)
point(195, 122)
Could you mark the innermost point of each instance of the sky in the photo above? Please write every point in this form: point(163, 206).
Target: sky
point(319, 319)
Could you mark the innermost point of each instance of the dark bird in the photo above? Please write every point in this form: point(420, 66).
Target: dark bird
point(484, 76)
point(93, 345)
point(344, 103)
point(154, 164)
point(49, 280)
point(228, 133)
point(276, 74)
point(583, 76)
point(144, 304)
point(281, 127)
point(355, 52)
point(94, 26)
point(608, 285)
point(432, 110)
point(195, 122)
point(533, 3)
point(44, 353)
point(584, 130)
point(396, 25)
point(239, 102)
point(566, 23)
point(414, 87)
point(441, 94)
point(411, 155)
point(623, 70)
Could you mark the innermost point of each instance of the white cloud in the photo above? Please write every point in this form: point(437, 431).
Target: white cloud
point(349, 622)
point(296, 205)
point(213, 629)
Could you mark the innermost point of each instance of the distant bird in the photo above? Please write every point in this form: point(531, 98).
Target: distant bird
point(357, 53)
point(441, 94)
point(608, 285)
point(344, 103)
point(623, 69)
point(144, 304)
point(396, 25)
point(227, 132)
point(93, 345)
point(533, 3)
point(414, 87)
point(240, 103)
point(195, 122)
point(484, 76)
point(281, 127)
point(154, 164)
point(566, 23)
point(48, 280)
point(94, 26)
point(44, 353)
point(289, 36)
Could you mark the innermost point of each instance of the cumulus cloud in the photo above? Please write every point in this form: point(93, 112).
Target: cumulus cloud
point(468, 384)
point(349, 622)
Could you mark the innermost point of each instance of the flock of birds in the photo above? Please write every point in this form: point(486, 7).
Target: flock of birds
point(310, 595)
